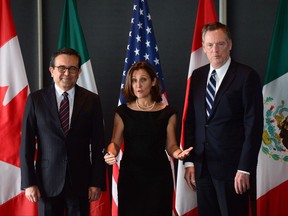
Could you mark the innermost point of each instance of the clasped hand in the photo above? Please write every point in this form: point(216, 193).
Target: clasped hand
point(109, 158)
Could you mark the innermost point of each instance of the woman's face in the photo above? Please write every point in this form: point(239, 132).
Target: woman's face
point(142, 83)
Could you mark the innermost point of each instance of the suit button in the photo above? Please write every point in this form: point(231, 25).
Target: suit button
point(206, 144)
point(206, 126)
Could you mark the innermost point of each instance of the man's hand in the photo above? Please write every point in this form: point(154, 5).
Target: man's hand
point(241, 182)
point(94, 193)
point(32, 193)
point(190, 177)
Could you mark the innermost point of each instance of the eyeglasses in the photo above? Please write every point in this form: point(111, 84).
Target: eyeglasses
point(71, 69)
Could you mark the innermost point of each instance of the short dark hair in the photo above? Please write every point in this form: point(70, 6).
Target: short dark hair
point(214, 26)
point(66, 51)
point(128, 90)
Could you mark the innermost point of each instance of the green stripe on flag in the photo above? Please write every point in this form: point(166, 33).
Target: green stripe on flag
point(278, 57)
point(71, 34)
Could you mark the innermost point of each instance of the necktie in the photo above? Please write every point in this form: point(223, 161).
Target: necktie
point(210, 93)
point(64, 113)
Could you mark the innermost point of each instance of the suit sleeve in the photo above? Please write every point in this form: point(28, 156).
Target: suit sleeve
point(28, 145)
point(189, 124)
point(253, 122)
point(97, 145)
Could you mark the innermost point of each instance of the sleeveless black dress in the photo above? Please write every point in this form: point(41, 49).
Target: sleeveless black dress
point(145, 184)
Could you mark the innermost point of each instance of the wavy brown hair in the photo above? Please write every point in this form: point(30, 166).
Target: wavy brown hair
point(155, 90)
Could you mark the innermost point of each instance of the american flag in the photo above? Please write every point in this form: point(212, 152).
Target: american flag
point(141, 43)
point(141, 47)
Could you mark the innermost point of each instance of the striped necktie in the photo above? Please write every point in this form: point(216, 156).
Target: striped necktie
point(210, 93)
point(64, 113)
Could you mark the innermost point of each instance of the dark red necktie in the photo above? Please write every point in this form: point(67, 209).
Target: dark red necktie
point(64, 113)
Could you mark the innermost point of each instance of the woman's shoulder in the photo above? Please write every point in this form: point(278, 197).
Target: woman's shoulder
point(159, 107)
point(121, 108)
point(170, 109)
point(166, 109)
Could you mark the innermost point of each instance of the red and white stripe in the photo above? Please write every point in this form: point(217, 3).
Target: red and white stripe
point(13, 94)
point(186, 203)
point(115, 175)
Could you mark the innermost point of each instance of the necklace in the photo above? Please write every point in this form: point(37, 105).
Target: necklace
point(145, 108)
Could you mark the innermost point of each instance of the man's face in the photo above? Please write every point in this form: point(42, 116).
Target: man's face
point(67, 78)
point(217, 47)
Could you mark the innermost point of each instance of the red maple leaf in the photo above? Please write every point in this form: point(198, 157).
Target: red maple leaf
point(10, 126)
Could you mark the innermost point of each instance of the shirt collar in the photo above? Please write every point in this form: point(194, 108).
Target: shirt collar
point(222, 70)
point(59, 91)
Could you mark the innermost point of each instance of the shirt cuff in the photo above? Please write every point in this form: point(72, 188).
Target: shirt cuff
point(248, 173)
point(188, 164)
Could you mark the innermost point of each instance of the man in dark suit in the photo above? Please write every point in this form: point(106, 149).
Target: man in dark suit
point(69, 170)
point(224, 126)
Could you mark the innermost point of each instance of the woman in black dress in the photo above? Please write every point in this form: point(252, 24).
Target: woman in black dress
point(148, 127)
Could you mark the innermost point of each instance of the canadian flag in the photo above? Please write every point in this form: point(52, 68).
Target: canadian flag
point(186, 203)
point(13, 94)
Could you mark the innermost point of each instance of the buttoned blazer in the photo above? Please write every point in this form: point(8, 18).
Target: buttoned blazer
point(230, 138)
point(79, 151)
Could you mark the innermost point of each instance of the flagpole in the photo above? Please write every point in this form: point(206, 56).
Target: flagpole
point(40, 44)
point(223, 11)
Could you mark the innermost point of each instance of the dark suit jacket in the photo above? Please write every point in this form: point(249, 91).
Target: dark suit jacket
point(230, 139)
point(56, 153)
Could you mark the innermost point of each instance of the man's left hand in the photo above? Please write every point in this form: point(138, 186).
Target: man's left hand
point(241, 182)
point(94, 193)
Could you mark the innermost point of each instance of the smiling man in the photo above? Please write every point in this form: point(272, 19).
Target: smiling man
point(67, 122)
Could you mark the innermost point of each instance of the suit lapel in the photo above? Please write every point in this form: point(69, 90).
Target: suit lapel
point(78, 103)
point(226, 83)
point(201, 83)
point(50, 101)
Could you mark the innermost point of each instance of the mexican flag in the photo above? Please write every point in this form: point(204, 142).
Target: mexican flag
point(272, 171)
point(13, 94)
point(71, 35)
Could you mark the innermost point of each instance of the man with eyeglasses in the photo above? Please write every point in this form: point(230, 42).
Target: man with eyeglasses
point(66, 122)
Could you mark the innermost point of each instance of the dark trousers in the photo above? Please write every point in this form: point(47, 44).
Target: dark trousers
point(66, 203)
point(218, 198)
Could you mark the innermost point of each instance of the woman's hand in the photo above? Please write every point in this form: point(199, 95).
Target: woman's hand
point(183, 154)
point(109, 158)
